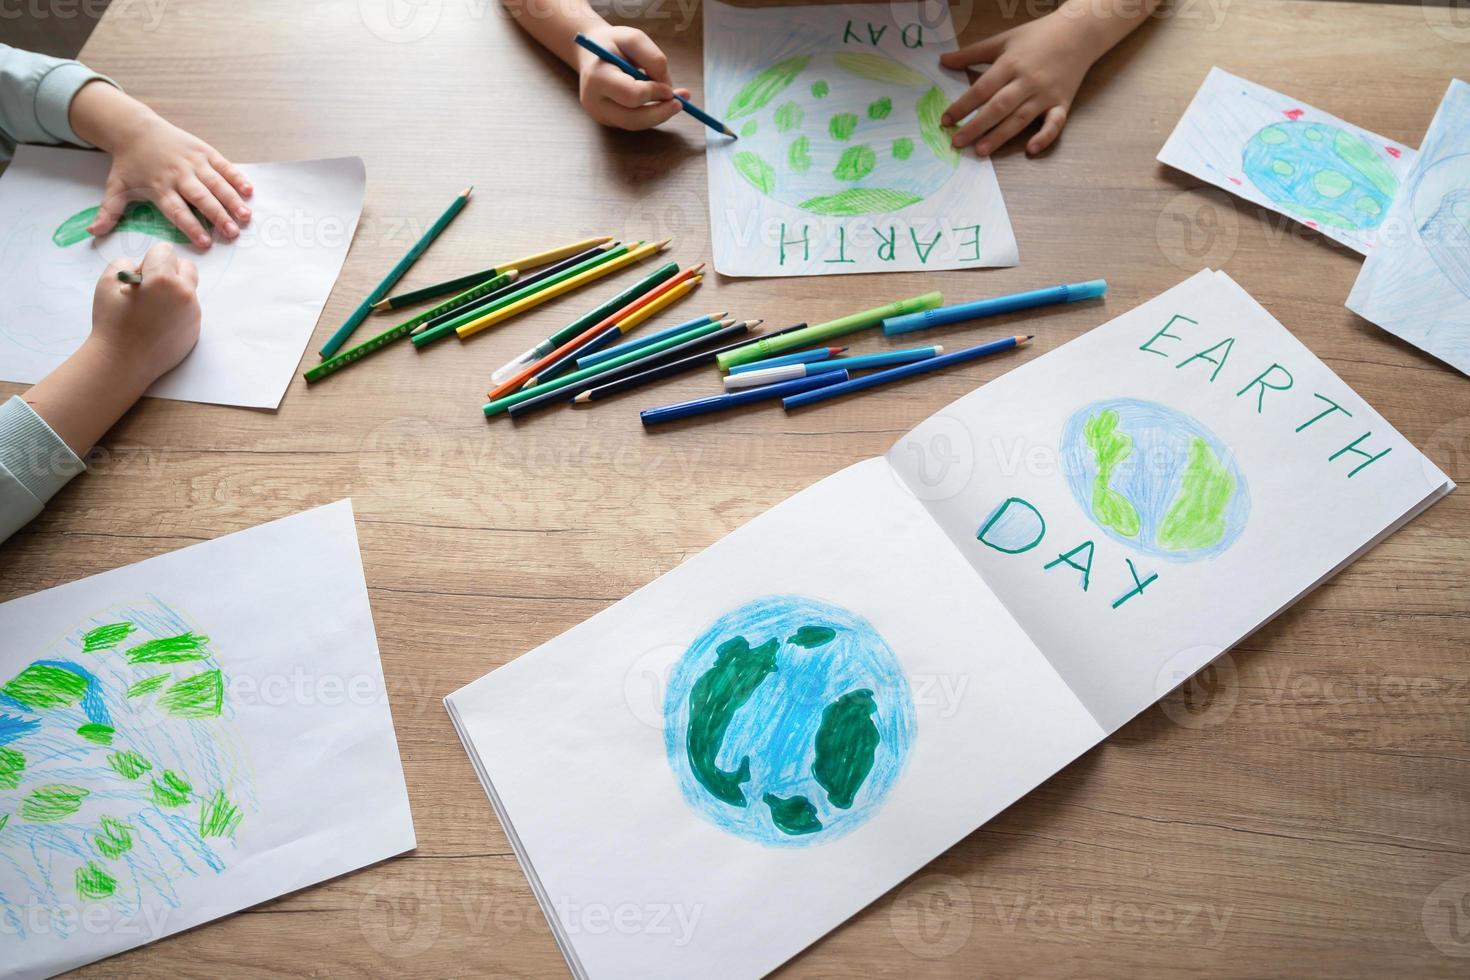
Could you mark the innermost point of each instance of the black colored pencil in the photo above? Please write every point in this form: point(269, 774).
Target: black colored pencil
point(521, 283)
point(658, 373)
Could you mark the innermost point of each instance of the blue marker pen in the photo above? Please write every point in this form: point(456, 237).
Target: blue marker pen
point(943, 315)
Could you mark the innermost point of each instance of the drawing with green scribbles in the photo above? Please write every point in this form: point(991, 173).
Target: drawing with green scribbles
point(139, 217)
point(1155, 479)
point(120, 772)
point(788, 722)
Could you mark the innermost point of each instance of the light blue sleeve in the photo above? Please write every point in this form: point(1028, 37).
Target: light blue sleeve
point(34, 464)
point(35, 98)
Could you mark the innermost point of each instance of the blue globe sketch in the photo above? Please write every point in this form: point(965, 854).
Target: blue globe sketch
point(1320, 173)
point(1154, 479)
point(788, 722)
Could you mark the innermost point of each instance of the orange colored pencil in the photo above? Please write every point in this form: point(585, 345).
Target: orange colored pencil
point(515, 381)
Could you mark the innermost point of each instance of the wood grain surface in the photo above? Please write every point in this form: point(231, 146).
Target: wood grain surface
point(1303, 808)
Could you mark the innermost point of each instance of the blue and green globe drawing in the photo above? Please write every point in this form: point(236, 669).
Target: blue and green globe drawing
point(1155, 479)
point(843, 133)
point(788, 721)
point(1320, 173)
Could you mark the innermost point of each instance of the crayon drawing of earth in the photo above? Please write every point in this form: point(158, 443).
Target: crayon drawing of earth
point(842, 133)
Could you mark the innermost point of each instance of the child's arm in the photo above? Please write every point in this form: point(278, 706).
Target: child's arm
point(138, 333)
point(1035, 70)
point(608, 95)
point(50, 100)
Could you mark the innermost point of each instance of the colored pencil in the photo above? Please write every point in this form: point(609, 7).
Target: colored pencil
point(532, 261)
point(728, 331)
point(483, 302)
point(520, 377)
point(572, 358)
point(603, 256)
point(904, 371)
point(381, 289)
point(638, 73)
point(734, 399)
point(959, 312)
point(656, 304)
point(826, 331)
point(497, 405)
point(353, 354)
point(649, 282)
point(551, 292)
point(799, 357)
point(786, 372)
point(129, 277)
point(587, 360)
point(607, 387)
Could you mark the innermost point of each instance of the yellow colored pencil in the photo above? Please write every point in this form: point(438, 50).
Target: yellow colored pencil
point(534, 260)
point(551, 292)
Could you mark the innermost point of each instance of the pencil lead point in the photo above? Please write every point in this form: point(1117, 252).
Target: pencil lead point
point(467, 192)
point(583, 398)
point(380, 306)
point(664, 244)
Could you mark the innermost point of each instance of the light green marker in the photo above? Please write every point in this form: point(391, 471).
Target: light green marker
point(818, 333)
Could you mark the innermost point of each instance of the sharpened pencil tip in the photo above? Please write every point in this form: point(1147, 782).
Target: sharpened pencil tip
point(467, 192)
point(664, 244)
point(380, 306)
point(1029, 336)
point(583, 398)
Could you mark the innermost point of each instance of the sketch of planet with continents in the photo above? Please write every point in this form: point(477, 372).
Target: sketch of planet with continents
point(1321, 173)
point(788, 721)
point(843, 133)
point(1155, 479)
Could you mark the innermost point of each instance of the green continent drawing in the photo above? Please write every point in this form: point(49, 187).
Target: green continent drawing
point(843, 134)
point(1155, 479)
point(814, 723)
point(139, 216)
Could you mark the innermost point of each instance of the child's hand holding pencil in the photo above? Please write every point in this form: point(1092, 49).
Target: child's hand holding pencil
point(614, 98)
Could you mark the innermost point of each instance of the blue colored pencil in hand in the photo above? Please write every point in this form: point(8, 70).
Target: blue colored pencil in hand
point(627, 66)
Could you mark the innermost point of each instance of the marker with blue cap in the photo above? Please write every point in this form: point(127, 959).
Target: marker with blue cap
point(958, 313)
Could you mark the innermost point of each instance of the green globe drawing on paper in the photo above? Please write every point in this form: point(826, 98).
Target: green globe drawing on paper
point(844, 134)
point(1155, 479)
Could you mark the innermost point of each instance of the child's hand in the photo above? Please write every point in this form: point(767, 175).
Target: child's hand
point(152, 159)
point(614, 98)
point(143, 331)
point(1035, 71)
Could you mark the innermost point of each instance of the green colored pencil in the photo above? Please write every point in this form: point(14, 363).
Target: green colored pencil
point(448, 327)
point(819, 333)
point(396, 273)
point(561, 381)
point(334, 364)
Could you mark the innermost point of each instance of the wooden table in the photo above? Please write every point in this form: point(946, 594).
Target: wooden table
point(1293, 813)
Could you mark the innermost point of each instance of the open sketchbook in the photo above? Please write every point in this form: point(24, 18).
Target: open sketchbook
point(189, 736)
point(260, 294)
point(711, 774)
point(842, 164)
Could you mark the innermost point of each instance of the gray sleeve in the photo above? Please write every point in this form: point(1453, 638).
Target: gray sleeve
point(35, 98)
point(34, 464)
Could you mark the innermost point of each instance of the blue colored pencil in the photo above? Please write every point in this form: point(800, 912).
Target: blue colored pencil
point(795, 357)
point(642, 76)
point(718, 403)
point(904, 371)
point(587, 360)
point(785, 372)
point(569, 360)
point(943, 315)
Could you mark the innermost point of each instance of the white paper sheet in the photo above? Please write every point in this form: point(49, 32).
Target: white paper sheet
point(260, 294)
point(841, 165)
point(159, 792)
point(671, 773)
point(1290, 157)
point(1416, 284)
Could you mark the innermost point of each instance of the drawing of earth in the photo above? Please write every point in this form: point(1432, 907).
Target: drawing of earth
point(842, 133)
point(788, 722)
point(1441, 205)
point(1154, 479)
point(1320, 173)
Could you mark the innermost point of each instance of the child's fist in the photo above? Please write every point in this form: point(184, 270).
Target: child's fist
point(615, 98)
point(147, 329)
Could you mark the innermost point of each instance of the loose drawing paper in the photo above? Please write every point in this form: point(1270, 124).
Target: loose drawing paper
point(260, 294)
point(739, 756)
point(189, 736)
point(1416, 284)
point(842, 164)
point(1290, 157)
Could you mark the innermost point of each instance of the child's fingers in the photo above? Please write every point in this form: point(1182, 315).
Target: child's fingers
point(995, 109)
point(980, 53)
point(1051, 128)
point(110, 211)
point(1013, 124)
point(232, 173)
point(224, 192)
point(214, 212)
point(643, 117)
point(189, 273)
point(159, 259)
point(176, 211)
point(990, 83)
point(640, 49)
point(629, 92)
